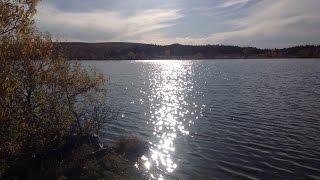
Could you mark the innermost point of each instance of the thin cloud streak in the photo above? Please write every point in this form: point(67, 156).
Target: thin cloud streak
point(105, 25)
point(229, 3)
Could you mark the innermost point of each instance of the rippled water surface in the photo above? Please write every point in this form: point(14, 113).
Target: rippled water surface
point(219, 119)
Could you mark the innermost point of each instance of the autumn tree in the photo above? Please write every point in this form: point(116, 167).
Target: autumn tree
point(43, 97)
point(16, 16)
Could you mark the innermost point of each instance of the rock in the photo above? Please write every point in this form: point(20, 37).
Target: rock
point(131, 148)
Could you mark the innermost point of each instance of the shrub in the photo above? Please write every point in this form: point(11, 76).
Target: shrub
point(43, 97)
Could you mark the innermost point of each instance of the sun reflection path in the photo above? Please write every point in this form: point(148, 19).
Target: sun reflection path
point(170, 82)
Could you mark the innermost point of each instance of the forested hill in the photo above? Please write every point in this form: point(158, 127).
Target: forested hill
point(132, 51)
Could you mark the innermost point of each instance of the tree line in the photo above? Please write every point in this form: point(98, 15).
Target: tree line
point(136, 51)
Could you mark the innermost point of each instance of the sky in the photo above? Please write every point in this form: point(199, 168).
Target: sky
point(259, 23)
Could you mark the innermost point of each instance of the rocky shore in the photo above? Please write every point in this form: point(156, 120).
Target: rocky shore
point(80, 157)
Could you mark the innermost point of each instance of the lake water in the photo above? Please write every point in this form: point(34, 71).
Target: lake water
point(219, 119)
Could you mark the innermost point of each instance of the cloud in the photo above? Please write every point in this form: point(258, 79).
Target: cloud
point(229, 3)
point(269, 24)
point(275, 24)
point(102, 25)
point(261, 23)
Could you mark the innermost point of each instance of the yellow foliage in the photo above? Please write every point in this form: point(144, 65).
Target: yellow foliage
point(43, 97)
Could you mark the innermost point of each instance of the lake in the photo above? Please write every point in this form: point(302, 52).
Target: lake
point(219, 119)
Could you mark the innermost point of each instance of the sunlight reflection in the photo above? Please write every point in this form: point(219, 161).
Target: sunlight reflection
point(169, 87)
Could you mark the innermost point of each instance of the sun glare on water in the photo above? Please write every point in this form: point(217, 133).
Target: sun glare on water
point(169, 84)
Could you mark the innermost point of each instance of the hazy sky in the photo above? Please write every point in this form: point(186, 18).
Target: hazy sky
point(261, 23)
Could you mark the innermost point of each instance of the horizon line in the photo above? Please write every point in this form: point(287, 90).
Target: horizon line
point(127, 42)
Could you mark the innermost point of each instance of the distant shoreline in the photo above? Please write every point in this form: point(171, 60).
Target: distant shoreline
point(137, 51)
point(190, 59)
